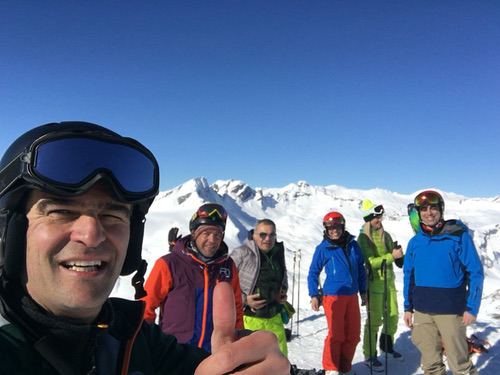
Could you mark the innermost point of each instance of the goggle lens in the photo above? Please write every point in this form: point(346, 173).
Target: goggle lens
point(264, 235)
point(215, 214)
point(72, 161)
point(427, 199)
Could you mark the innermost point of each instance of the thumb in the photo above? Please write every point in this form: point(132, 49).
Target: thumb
point(224, 316)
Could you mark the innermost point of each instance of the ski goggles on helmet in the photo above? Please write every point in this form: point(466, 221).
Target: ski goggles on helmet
point(215, 214)
point(428, 198)
point(377, 210)
point(72, 163)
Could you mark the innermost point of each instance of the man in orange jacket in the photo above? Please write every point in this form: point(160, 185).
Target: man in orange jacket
point(182, 282)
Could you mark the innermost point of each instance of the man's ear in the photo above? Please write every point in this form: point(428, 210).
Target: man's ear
point(13, 244)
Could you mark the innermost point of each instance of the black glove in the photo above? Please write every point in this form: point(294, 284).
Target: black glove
point(172, 237)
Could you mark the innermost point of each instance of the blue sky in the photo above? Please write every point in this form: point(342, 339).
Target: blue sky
point(398, 95)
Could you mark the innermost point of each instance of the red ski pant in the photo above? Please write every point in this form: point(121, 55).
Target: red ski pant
point(344, 329)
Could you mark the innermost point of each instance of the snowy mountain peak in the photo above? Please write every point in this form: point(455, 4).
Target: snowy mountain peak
point(235, 189)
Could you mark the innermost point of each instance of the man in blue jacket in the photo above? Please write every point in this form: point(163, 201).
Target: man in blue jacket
point(341, 258)
point(443, 284)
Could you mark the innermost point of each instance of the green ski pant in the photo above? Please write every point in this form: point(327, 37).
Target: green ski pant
point(376, 311)
point(274, 324)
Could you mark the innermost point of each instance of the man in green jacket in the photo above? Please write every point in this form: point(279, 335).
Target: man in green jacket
point(380, 252)
point(73, 200)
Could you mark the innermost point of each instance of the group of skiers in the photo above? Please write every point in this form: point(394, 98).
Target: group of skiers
point(443, 281)
point(442, 285)
point(181, 283)
point(73, 200)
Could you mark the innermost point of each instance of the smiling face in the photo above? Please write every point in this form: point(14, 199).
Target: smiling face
point(264, 236)
point(430, 214)
point(209, 239)
point(335, 231)
point(75, 249)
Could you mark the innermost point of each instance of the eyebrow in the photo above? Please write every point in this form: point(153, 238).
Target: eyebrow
point(46, 202)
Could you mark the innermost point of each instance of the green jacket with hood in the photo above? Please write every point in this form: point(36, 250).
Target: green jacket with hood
point(374, 258)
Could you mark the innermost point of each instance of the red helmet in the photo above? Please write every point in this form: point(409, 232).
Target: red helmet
point(333, 218)
point(429, 197)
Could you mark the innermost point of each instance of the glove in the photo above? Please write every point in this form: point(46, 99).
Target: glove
point(172, 237)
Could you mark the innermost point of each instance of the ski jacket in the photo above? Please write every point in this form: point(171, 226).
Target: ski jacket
point(345, 271)
point(247, 260)
point(442, 272)
point(182, 286)
point(126, 345)
point(374, 258)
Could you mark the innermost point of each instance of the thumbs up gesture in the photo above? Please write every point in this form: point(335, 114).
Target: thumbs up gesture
point(233, 352)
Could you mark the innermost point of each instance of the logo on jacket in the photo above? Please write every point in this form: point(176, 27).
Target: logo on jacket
point(224, 273)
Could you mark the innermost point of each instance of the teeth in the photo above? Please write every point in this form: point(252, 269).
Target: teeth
point(84, 266)
point(83, 263)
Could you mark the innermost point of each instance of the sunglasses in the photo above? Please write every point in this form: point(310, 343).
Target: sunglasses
point(334, 226)
point(72, 163)
point(264, 235)
point(378, 210)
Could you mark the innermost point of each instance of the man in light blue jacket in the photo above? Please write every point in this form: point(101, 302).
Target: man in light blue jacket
point(443, 284)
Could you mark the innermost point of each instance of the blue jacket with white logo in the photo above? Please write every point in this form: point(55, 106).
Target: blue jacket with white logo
point(345, 271)
point(442, 272)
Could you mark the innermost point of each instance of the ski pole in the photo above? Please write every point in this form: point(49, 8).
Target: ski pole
point(293, 289)
point(368, 316)
point(384, 273)
point(298, 292)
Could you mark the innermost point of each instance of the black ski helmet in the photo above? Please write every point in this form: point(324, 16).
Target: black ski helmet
point(68, 158)
point(209, 214)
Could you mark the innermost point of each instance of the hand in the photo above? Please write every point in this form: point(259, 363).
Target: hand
point(408, 318)
point(257, 353)
point(315, 303)
point(255, 302)
point(397, 252)
point(282, 297)
point(468, 318)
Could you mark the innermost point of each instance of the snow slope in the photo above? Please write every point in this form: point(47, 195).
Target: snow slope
point(297, 210)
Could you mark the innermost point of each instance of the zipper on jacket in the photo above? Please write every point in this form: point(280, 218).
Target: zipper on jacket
point(205, 306)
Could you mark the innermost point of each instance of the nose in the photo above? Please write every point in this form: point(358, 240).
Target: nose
point(88, 230)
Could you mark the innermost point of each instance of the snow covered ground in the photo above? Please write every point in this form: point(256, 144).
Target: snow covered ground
point(297, 210)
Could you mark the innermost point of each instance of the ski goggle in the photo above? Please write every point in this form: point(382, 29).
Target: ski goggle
point(212, 213)
point(377, 210)
point(73, 163)
point(427, 198)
